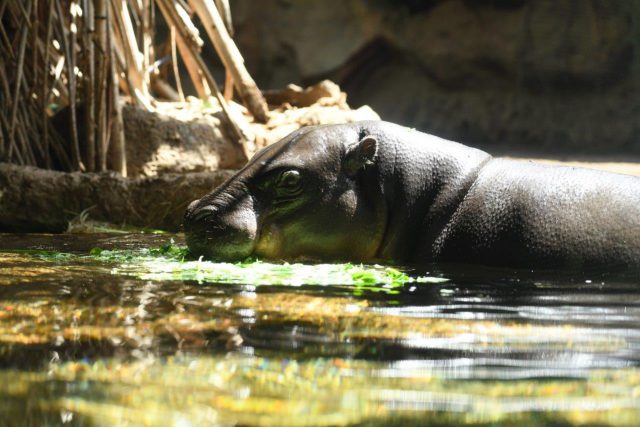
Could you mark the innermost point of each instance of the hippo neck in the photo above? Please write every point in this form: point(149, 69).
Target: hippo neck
point(430, 177)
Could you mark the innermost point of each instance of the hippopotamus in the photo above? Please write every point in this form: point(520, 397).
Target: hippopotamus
point(376, 192)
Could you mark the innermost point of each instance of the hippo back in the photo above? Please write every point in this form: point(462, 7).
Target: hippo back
point(525, 214)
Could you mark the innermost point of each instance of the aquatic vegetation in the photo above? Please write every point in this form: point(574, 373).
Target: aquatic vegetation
point(375, 278)
point(171, 262)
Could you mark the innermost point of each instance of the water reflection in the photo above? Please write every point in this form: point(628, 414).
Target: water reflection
point(82, 346)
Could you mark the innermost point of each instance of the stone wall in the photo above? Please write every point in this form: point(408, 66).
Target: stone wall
point(505, 75)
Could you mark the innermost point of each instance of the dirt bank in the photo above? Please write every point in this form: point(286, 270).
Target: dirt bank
point(46, 201)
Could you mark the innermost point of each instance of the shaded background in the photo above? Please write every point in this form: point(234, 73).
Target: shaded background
point(505, 75)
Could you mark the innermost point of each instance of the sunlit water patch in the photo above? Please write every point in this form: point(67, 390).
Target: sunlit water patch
point(267, 391)
point(123, 330)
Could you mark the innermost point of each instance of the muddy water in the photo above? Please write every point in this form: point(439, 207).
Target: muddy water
point(83, 345)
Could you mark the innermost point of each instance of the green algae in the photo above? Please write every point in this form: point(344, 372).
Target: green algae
point(373, 278)
point(172, 262)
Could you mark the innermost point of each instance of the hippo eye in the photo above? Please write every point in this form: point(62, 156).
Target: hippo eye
point(289, 183)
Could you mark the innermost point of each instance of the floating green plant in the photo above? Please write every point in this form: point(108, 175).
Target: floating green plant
point(171, 262)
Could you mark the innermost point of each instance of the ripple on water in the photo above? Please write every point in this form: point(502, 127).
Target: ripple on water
point(87, 340)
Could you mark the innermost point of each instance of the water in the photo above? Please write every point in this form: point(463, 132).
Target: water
point(80, 345)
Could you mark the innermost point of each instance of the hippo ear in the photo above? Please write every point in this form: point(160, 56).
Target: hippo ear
point(360, 155)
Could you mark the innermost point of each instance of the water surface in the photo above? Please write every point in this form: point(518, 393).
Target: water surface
point(83, 344)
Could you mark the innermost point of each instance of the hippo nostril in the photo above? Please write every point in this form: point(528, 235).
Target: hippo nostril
point(203, 213)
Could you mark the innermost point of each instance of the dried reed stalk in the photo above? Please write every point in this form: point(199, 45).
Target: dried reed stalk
point(81, 55)
point(88, 29)
point(173, 16)
point(117, 144)
point(102, 68)
point(65, 40)
point(231, 58)
point(174, 61)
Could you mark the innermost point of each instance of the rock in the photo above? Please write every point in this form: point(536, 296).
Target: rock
point(38, 200)
point(174, 141)
point(323, 103)
point(324, 93)
point(284, 40)
point(176, 138)
point(530, 76)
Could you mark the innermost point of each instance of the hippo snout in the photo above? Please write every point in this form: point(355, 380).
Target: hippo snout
point(193, 205)
point(221, 232)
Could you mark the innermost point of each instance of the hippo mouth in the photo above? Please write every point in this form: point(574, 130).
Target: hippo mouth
point(213, 234)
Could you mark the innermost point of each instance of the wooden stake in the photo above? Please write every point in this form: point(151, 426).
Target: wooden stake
point(88, 86)
point(199, 82)
point(2, 144)
point(125, 82)
point(102, 75)
point(118, 154)
point(132, 54)
point(225, 11)
point(172, 17)
point(18, 82)
point(45, 86)
point(35, 66)
point(71, 84)
point(147, 41)
point(3, 35)
point(174, 62)
point(231, 58)
point(186, 38)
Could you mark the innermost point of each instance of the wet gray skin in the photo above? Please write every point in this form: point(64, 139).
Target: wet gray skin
point(379, 192)
point(263, 209)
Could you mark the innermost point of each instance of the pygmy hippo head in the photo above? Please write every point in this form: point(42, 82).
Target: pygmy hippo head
point(310, 196)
